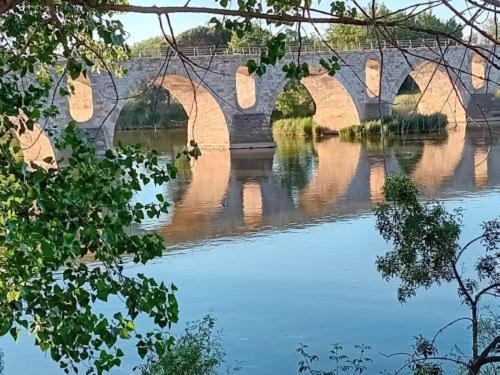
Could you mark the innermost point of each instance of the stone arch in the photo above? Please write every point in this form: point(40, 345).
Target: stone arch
point(245, 88)
point(439, 91)
point(372, 77)
point(35, 145)
point(81, 105)
point(206, 124)
point(335, 107)
point(478, 71)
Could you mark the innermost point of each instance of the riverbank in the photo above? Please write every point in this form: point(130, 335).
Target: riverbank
point(397, 125)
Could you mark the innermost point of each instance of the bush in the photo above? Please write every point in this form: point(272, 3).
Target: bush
point(198, 351)
point(416, 123)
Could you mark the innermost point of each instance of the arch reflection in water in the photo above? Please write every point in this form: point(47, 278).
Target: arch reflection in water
point(203, 198)
point(377, 180)
point(252, 204)
point(337, 165)
point(481, 167)
point(230, 193)
point(440, 159)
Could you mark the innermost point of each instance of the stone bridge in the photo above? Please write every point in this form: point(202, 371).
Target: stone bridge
point(229, 108)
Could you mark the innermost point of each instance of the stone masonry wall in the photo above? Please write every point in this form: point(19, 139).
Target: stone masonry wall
point(208, 92)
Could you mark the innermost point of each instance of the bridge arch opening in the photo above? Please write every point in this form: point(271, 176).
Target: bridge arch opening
point(34, 145)
point(81, 104)
point(335, 107)
point(407, 97)
point(245, 88)
point(293, 102)
point(372, 77)
point(154, 108)
point(319, 96)
point(478, 70)
point(438, 92)
point(206, 123)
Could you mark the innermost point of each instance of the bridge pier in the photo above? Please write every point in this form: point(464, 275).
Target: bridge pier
point(373, 110)
point(250, 130)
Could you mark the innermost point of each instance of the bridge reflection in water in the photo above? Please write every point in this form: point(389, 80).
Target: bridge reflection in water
point(234, 193)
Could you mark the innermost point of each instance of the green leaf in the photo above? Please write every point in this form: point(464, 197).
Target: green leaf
point(13, 295)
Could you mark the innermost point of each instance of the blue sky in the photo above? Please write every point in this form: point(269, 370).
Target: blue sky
point(141, 26)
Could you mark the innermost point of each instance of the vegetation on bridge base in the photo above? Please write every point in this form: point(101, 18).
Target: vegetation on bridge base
point(293, 113)
point(416, 123)
point(298, 127)
point(406, 104)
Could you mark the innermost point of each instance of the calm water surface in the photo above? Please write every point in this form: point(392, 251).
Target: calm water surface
point(280, 245)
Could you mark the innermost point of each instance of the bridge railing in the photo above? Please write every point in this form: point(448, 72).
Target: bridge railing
point(304, 48)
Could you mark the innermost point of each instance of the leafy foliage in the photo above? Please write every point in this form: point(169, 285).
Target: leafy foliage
point(198, 351)
point(196, 36)
point(427, 251)
point(394, 125)
point(295, 101)
point(344, 364)
point(51, 219)
point(351, 35)
point(302, 127)
point(425, 237)
point(255, 36)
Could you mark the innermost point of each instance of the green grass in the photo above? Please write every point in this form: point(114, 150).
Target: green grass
point(416, 123)
point(405, 104)
point(297, 127)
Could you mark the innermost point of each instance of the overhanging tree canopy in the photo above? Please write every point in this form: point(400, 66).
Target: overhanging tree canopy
point(49, 222)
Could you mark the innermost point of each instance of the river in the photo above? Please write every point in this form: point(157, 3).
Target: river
point(280, 246)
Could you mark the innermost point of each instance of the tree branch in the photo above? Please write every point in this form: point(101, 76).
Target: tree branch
point(485, 290)
point(483, 358)
point(6, 5)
